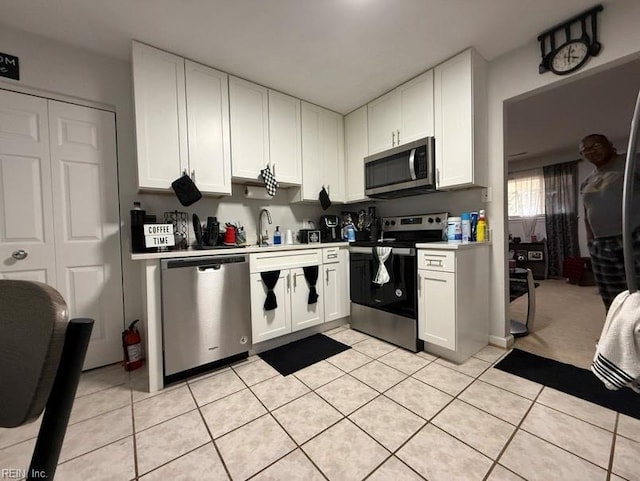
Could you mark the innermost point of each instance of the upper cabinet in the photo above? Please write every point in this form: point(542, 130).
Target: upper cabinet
point(181, 116)
point(356, 148)
point(285, 138)
point(403, 115)
point(249, 110)
point(322, 154)
point(460, 101)
point(265, 130)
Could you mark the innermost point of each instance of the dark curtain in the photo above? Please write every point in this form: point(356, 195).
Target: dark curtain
point(561, 219)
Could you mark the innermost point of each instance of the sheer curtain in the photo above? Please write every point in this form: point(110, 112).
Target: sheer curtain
point(525, 192)
point(560, 183)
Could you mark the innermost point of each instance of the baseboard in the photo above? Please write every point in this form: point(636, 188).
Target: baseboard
point(503, 342)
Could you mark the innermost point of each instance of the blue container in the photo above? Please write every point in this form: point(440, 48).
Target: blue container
point(474, 226)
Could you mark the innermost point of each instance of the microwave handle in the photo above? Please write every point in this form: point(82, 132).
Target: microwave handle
point(412, 165)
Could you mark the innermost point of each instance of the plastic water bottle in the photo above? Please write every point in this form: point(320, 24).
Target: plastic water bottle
point(277, 238)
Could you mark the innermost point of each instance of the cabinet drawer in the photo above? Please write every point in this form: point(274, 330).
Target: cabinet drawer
point(273, 261)
point(437, 260)
point(330, 255)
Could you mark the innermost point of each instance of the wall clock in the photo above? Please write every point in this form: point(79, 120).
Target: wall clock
point(568, 57)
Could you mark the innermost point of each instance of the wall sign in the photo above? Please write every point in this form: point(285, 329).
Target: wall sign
point(9, 66)
point(159, 235)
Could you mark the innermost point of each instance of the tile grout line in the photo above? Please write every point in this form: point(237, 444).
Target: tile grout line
point(613, 446)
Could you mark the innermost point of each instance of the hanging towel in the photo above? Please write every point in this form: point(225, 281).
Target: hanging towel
point(270, 280)
point(617, 359)
point(382, 254)
point(323, 196)
point(270, 182)
point(311, 275)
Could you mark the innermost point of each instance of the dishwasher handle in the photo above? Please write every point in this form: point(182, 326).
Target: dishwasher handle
point(203, 263)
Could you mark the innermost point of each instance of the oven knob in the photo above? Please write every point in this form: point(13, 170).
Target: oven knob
point(386, 222)
point(438, 220)
point(430, 220)
point(393, 222)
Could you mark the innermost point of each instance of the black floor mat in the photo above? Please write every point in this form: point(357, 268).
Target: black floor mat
point(570, 379)
point(297, 355)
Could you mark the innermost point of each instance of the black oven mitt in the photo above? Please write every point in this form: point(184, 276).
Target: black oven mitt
point(270, 182)
point(325, 202)
point(270, 280)
point(311, 275)
point(186, 190)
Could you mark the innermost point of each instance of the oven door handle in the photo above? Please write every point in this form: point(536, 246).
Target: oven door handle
point(412, 164)
point(398, 251)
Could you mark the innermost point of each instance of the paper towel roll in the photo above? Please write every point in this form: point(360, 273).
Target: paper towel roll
point(256, 192)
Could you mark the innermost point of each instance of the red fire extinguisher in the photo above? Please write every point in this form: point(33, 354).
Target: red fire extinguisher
point(132, 346)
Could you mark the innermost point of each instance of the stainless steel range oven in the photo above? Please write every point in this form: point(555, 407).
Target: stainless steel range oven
point(385, 304)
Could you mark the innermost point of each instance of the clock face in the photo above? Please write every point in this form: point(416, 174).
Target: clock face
point(569, 57)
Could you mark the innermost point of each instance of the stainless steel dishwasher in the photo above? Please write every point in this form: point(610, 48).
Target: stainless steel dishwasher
point(206, 314)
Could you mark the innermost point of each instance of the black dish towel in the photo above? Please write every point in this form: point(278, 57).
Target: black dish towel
point(186, 190)
point(311, 275)
point(270, 280)
point(325, 202)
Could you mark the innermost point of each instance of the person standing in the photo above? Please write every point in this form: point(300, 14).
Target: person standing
point(602, 197)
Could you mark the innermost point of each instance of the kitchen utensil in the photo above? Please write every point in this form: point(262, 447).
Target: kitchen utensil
point(229, 235)
point(213, 229)
point(197, 229)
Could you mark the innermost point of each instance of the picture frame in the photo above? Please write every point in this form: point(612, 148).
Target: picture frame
point(535, 255)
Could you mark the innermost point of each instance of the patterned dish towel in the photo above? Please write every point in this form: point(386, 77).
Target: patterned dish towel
point(270, 182)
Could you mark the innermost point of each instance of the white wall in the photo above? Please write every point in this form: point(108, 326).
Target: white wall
point(516, 75)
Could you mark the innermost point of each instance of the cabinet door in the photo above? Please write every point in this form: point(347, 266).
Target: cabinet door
point(416, 107)
point(437, 308)
point(285, 138)
point(336, 291)
point(208, 123)
point(249, 113)
point(161, 117)
point(269, 324)
point(356, 149)
point(453, 121)
point(303, 314)
point(322, 153)
point(384, 122)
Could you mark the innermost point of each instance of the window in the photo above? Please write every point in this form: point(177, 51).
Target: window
point(525, 191)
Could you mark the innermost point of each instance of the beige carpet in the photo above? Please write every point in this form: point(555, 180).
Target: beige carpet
point(568, 322)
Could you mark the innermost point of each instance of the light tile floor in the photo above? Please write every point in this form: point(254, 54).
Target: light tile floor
point(374, 412)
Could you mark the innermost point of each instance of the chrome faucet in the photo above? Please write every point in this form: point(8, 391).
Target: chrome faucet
point(262, 239)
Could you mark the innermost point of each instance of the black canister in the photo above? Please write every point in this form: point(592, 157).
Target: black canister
point(213, 231)
point(137, 228)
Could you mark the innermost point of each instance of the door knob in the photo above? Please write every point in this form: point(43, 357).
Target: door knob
point(19, 254)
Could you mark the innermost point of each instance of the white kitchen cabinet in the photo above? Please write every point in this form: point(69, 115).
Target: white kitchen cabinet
point(182, 122)
point(160, 116)
point(285, 138)
point(453, 294)
point(249, 114)
point(335, 270)
point(292, 293)
point(356, 149)
point(322, 154)
point(460, 101)
point(403, 115)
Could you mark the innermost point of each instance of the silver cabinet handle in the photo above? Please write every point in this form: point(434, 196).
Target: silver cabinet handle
point(398, 136)
point(437, 177)
point(184, 172)
point(295, 281)
point(393, 138)
point(19, 254)
point(288, 281)
point(327, 275)
point(193, 175)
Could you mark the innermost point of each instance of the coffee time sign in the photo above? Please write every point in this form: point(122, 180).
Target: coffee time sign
point(9, 66)
point(159, 235)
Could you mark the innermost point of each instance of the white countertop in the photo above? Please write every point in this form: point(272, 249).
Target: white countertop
point(451, 245)
point(239, 250)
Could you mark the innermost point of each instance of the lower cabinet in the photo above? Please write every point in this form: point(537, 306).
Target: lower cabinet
point(293, 312)
point(453, 299)
point(336, 283)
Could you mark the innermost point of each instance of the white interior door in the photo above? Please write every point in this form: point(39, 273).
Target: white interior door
point(87, 224)
point(26, 214)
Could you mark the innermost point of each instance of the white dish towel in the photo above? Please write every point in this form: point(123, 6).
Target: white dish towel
point(617, 358)
point(382, 276)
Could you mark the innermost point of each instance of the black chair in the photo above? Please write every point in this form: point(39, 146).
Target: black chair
point(41, 357)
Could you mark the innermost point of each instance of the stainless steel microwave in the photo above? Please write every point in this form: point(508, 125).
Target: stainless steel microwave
point(402, 171)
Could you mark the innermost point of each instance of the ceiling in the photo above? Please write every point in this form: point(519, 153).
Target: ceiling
point(339, 54)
